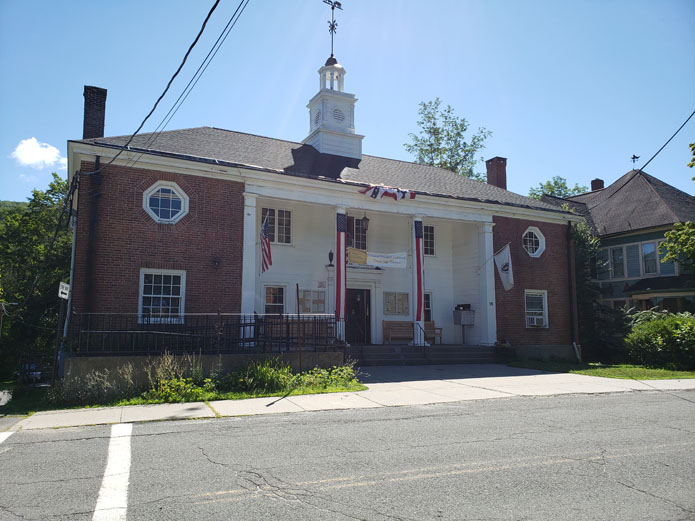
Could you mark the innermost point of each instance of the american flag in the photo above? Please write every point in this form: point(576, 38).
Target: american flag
point(267, 261)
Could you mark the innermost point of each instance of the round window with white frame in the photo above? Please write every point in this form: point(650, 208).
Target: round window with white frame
point(165, 202)
point(533, 242)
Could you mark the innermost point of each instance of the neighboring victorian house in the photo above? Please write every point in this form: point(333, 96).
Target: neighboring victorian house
point(630, 217)
point(173, 227)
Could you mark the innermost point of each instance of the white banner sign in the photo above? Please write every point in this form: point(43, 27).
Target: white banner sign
point(387, 260)
point(503, 260)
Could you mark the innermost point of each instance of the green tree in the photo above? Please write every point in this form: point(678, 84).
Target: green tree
point(557, 186)
point(680, 245)
point(442, 140)
point(32, 264)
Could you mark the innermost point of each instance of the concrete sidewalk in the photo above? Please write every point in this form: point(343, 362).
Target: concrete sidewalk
point(387, 387)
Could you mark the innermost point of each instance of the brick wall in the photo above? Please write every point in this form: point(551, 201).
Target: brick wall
point(124, 238)
point(548, 272)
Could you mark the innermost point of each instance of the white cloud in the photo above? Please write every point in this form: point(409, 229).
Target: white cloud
point(31, 152)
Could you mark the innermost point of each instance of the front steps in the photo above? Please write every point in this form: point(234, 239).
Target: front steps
point(413, 355)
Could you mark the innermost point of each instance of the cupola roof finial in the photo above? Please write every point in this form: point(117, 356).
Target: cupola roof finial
point(332, 26)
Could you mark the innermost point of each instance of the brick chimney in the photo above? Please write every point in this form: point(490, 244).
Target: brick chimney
point(596, 184)
point(497, 171)
point(94, 112)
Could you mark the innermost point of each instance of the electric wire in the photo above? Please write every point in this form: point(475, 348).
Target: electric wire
point(193, 81)
point(645, 164)
point(188, 52)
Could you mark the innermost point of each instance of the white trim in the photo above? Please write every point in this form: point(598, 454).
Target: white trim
point(544, 294)
point(541, 242)
point(177, 190)
point(182, 296)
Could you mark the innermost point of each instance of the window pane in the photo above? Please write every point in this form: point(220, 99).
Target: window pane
point(428, 240)
point(161, 297)
point(531, 242)
point(602, 265)
point(284, 226)
point(534, 302)
point(617, 264)
point(649, 257)
point(428, 307)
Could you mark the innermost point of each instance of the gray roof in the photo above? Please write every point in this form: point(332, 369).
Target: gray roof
point(636, 201)
point(216, 145)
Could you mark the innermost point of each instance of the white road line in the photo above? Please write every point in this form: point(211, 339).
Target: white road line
point(112, 503)
point(4, 436)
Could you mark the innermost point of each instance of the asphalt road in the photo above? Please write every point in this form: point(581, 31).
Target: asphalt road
point(628, 456)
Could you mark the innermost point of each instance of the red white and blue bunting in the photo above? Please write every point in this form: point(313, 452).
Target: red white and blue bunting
point(378, 192)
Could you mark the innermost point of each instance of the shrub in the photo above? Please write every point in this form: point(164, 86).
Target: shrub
point(96, 387)
point(661, 339)
point(180, 390)
point(268, 376)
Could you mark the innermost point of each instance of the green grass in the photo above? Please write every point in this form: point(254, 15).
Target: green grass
point(32, 399)
point(623, 371)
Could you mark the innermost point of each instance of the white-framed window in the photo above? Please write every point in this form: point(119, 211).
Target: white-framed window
point(356, 234)
point(634, 260)
point(279, 225)
point(162, 295)
point(428, 307)
point(274, 300)
point(536, 308)
point(165, 202)
point(428, 239)
point(396, 303)
point(533, 242)
point(312, 301)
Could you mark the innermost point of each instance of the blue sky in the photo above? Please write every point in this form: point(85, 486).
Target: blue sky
point(567, 88)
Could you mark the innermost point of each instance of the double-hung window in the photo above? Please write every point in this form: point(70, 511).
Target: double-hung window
point(162, 295)
point(536, 308)
point(649, 258)
point(617, 262)
point(356, 234)
point(274, 300)
point(279, 225)
point(428, 307)
point(312, 301)
point(428, 240)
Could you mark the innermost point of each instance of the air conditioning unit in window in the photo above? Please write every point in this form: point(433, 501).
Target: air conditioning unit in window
point(534, 321)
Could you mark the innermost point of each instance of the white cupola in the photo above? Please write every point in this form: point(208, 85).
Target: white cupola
point(332, 115)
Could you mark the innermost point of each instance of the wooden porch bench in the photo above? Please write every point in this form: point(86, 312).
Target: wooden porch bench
point(397, 329)
point(432, 333)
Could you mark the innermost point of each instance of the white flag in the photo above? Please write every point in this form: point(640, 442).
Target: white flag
point(503, 261)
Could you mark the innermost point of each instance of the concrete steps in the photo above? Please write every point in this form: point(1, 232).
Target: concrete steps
point(372, 355)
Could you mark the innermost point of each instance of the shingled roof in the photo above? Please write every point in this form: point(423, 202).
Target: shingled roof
point(636, 201)
point(214, 145)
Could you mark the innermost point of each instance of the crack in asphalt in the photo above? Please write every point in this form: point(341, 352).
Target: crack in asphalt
point(650, 494)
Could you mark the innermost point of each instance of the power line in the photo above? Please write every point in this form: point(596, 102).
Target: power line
point(194, 79)
point(645, 164)
point(190, 48)
point(669, 140)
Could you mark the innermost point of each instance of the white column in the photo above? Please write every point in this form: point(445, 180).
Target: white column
point(249, 261)
point(340, 270)
point(418, 273)
point(486, 316)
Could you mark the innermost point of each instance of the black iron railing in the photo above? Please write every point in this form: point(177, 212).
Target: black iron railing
point(122, 334)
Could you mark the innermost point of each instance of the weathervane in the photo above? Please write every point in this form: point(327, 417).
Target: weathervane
point(333, 25)
point(634, 160)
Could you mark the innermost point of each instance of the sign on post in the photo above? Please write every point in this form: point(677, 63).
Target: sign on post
point(63, 290)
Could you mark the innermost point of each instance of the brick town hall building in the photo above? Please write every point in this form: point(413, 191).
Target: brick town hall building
point(170, 232)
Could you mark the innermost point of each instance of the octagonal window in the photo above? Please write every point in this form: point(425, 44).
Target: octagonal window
point(165, 202)
point(533, 242)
